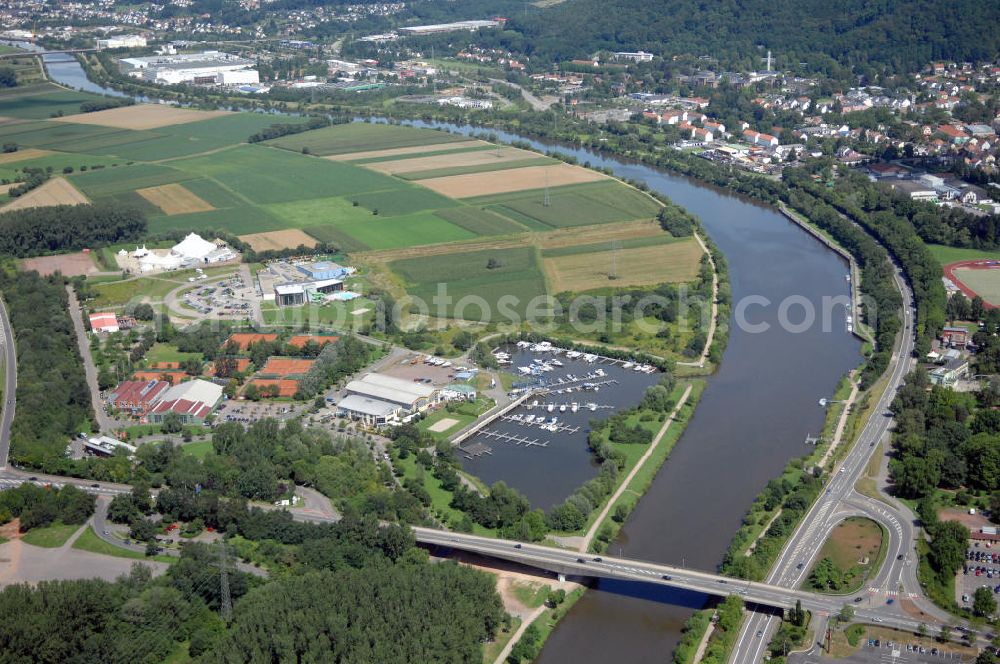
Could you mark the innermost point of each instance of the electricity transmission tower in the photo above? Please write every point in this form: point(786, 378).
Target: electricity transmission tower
point(226, 598)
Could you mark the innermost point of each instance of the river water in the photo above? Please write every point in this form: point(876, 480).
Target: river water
point(753, 417)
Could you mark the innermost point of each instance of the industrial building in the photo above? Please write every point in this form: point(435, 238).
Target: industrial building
point(450, 27)
point(192, 400)
point(122, 41)
point(200, 68)
point(380, 399)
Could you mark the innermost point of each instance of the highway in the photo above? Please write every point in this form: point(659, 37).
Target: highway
point(841, 500)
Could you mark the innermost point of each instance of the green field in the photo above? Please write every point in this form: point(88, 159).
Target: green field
point(362, 137)
point(161, 352)
point(41, 100)
point(63, 136)
point(984, 283)
point(574, 205)
point(480, 221)
point(50, 537)
point(56, 161)
point(238, 220)
point(265, 175)
point(466, 274)
point(946, 255)
point(406, 200)
point(108, 181)
point(379, 232)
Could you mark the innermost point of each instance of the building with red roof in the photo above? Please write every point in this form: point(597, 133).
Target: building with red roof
point(193, 401)
point(137, 396)
point(104, 322)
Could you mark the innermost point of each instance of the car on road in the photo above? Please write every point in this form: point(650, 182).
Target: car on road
point(95, 486)
point(760, 633)
point(32, 479)
point(877, 619)
point(858, 599)
point(889, 601)
point(580, 560)
point(723, 581)
point(598, 559)
point(800, 566)
point(900, 557)
point(667, 577)
point(106, 532)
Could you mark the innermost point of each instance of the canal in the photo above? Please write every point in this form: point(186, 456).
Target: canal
point(753, 417)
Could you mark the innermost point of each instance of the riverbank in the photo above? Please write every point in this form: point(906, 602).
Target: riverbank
point(745, 428)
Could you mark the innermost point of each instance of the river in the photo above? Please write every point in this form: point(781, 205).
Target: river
point(754, 415)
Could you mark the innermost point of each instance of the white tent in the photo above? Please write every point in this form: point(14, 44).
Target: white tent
point(193, 246)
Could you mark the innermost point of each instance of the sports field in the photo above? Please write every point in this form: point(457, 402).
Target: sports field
point(174, 199)
point(56, 191)
point(520, 179)
point(142, 116)
point(70, 265)
point(981, 281)
point(360, 136)
point(675, 262)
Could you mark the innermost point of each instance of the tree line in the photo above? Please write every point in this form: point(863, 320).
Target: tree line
point(47, 230)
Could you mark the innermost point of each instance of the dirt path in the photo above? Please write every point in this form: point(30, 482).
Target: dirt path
point(841, 424)
point(589, 537)
point(715, 310)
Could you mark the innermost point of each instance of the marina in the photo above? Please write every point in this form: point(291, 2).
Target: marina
point(539, 446)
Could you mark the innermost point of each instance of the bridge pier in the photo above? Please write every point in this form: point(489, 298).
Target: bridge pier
point(561, 577)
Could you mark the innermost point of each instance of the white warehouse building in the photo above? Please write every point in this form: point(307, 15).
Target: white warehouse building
point(204, 68)
point(239, 77)
point(122, 41)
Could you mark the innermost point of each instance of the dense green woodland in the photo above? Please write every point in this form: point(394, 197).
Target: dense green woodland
point(359, 593)
point(53, 400)
point(61, 228)
point(898, 35)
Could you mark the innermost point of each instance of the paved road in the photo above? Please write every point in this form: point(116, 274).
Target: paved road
point(104, 422)
point(10, 385)
point(795, 561)
point(536, 103)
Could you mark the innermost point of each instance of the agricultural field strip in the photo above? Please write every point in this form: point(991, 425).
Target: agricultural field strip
point(54, 192)
point(447, 160)
point(521, 179)
point(640, 266)
point(142, 116)
point(393, 153)
point(356, 137)
point(416, 176)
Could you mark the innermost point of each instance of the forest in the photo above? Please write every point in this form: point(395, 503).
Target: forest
point(360, 592)
point(46, 230)
point(53, 400)
point(892, 35)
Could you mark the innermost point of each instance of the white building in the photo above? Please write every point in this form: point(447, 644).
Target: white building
point(238, 77)
point(122, 41)
point(639, 56)
point(449, 27)
point(408, 396)
point(203, 68)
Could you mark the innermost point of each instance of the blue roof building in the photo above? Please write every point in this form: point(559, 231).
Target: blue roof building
point(323, 270)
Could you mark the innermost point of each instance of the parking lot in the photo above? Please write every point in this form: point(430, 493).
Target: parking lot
point(878, 651)
point(230, 296)
point(982, 568)
point(248, 412)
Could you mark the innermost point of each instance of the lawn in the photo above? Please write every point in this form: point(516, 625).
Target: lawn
point(516, 274)
point(89, 541)
point(197, 450)
point(358, 136)
point(278, 176)
point(856, 548)
point(161, 352)
point(675, 262)
point(946, 255)
point(440, 499)
point(318, 212)
point(335, 315)
point(50, 537)
point(42, 100)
